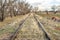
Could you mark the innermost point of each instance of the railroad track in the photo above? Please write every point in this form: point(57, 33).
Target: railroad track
point(41, 26)
point(13, 36)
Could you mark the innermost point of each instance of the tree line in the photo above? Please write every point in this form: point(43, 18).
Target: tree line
point(13, 8)
point(54, 9)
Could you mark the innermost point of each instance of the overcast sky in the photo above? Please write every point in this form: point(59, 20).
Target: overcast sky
point(44, 4)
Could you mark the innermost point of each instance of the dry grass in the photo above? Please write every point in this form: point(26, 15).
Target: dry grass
point(52, 27)
point(9, 20)
point(10, 25)
point(48, 15)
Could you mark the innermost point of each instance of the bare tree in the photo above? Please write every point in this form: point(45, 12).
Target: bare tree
point(46, 11)
point(24, 7)
point(54, 9)
point(2, 8)
point(35, 9)
point(11, 7)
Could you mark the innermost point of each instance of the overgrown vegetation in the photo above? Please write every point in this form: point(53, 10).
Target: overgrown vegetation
point(52, 27)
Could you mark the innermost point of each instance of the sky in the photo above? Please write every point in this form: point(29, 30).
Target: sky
point(44, 4)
